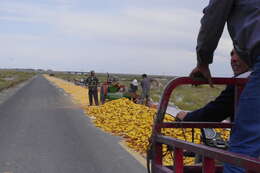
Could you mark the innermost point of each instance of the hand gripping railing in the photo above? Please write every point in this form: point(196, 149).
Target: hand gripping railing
point(209, 154)
point(239, 82)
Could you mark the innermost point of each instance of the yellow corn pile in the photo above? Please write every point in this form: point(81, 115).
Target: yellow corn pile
point(124, 118)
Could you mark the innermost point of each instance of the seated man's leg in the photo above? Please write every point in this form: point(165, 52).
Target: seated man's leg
point(245, 138)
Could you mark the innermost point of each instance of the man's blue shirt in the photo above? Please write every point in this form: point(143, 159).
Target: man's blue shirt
point(243, 22)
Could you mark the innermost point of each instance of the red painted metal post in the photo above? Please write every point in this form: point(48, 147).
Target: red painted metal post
point(158, 154)
point(248, 171)
point(178, 160)
point(157, 148)
point(186, 80)
point(208, 165)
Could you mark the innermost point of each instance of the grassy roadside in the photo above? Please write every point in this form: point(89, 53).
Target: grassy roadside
point(189, 97)
point(186, 97)
point(10, 78)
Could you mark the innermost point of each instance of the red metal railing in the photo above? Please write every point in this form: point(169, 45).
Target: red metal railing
point(209, 154)
point(239, 82)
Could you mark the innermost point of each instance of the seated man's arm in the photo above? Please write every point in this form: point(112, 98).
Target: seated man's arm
point(217, 110)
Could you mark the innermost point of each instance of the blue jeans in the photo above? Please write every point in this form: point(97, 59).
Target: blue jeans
point(245, 137)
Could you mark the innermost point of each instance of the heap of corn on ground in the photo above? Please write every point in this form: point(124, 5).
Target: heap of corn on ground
point(124, 118)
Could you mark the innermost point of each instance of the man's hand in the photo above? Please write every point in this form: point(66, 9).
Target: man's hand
point(202, 70)
point(181, 115)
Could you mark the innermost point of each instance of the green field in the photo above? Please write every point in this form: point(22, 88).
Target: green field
point(189, 97)
point(186, 97)
point(9, 78)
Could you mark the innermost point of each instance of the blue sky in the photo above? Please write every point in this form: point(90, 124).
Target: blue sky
point(120, 36)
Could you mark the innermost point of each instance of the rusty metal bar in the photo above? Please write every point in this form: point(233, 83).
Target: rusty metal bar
point(187, 80)
point(194, 125)
point(244, 161)
point(198, 169)
point(157, 150)
point(158, 153)
point(178, 160)
point(208, 165)
point(156, 132)
point(162, 169)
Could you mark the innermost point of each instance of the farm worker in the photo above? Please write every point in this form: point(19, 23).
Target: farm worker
point(92, 83)
point(146, 87)
point(243, 22)
point(115, 84)
point(133, 89)
point(223, 106)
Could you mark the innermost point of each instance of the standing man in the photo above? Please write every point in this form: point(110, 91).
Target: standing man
point(146, 87)
point(92, 83)
point(243, 22)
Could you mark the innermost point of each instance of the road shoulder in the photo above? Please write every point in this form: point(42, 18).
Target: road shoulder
point(9, 92)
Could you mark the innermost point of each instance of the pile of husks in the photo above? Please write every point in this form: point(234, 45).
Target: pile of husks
point(124, 118)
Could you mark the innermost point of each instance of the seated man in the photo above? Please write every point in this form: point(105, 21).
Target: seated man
point(219, 109)
point(146, 84)
point(133, 90)
point(223, 106)
point(114, 86)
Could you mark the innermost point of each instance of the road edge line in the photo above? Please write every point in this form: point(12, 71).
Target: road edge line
point(136, 155)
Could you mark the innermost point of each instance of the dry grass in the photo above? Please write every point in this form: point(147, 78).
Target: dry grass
point(9, 78)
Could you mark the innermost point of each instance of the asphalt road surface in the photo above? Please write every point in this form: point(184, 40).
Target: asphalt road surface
point(42, 131)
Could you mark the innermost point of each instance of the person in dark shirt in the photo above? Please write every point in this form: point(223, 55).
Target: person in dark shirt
point(92, 83)
point(243, 23)
point(146, 87)
point(133, 89)
point(223, 106)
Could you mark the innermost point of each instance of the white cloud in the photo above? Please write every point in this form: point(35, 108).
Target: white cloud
point(132, 23)
point(152, 40)
point(129, 23)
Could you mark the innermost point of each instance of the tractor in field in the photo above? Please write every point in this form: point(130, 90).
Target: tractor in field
point(112, 89)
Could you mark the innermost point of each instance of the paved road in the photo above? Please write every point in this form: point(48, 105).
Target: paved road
point(41, 131)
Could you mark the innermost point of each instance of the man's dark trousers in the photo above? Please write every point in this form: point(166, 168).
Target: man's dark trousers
point(93, 93)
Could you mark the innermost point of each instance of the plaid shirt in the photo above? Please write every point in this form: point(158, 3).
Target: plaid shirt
point(91, 82)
